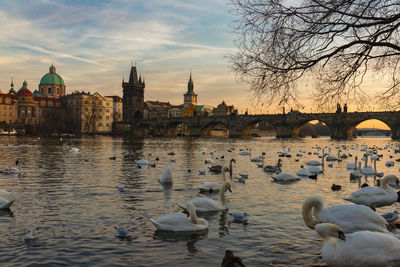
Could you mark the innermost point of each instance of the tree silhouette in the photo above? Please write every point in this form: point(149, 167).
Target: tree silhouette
point(334, 43)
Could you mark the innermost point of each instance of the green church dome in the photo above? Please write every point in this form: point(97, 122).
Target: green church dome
point(52, 78)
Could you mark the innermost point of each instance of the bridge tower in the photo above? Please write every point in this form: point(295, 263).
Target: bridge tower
point(190, 97)
point(133, 97)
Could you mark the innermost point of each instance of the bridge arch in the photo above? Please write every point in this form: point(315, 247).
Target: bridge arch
point(297, 128)
point(206, 130)
point(246, 131)
point(177, 128)
point(350, 130)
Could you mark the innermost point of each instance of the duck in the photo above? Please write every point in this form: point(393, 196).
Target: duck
point(362, 248)
point(230, 260)
point(375, 197)
point(336, 187)
point(212, 186)
point(215, 168)
point(179, 222)
point(284, 177)
point(351, 218)
point(206, 204)
point(239, 217)
point(391, 216)
point(166, 176)
point(31, 235)
point(389, 163)
point(143, 161)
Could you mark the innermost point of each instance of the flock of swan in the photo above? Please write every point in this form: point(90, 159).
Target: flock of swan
point(353, 234)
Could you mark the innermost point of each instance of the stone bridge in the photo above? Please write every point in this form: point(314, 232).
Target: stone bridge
point(341, 125)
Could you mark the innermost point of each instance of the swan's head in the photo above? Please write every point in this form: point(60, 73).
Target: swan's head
point(330, 230)
point(227, 186)
point(388, 178)
point(233, 161)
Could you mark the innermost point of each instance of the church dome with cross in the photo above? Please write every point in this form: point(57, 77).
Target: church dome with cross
point(52, 84)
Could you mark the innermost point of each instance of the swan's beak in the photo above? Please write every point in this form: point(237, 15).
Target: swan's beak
point(229, 189)
point(397, 182)
point(341, 235)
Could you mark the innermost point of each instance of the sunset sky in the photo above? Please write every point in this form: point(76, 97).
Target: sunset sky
point(92, 44)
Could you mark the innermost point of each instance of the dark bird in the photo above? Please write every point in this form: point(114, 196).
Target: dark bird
point(336, 187)
point(153, 165)
point(216, 168)
point(230, 260)
point(314, 176)
point(171, 153)
point(364, 185)
point(157, 158)
point(112, 158)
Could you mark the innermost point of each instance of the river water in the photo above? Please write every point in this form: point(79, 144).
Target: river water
point(72, 196)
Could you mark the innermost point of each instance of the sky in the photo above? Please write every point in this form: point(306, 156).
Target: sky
point(92, 45)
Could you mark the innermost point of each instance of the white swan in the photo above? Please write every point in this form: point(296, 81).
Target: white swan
point(212, 186)
point(375, 197)
point(143, 161)
point(303, 172)
point(352, 166)
point(333, 158)
point(284, 177)
point(316, 162)
point(166, 176)
point(315, 169)
point(367, 170)
point(13, 170)
point(205, 204)
point(362, 248)
point(179, 222)
point(245, 153)
point(356, 174)
point(5, 203)
point(351, 218)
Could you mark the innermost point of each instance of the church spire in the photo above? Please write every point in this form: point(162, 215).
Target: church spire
point(133, 78)
point(190, 85)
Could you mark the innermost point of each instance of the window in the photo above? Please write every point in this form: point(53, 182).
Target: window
point(107, 124)
point(86, 102)
point(100, 124)
point(10, 107)
point(49, 90)
point(107, 104)
point(107, 117)
point(58, 91)
point(86, 109)
point(107, 110)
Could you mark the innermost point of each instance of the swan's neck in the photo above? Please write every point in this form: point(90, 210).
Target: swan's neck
point(375, 166)
point(338, 154)
point(193, 216)
point(311, 209)
point(359, 166)
point(223, 175)
point(222, 194)
point(230, 168)
point(366, 160)
point(355, 162)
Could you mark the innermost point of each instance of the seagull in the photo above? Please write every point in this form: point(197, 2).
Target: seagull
point(239, 217)
point(122, 232)
point(31, 235)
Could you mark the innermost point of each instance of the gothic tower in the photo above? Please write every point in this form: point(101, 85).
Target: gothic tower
point(190, 97)
point(133, 97)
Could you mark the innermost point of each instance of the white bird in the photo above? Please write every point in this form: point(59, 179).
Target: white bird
point(5, 203)
point(205, 204)
point(356, 174)
point(5, 193)
point(303, 172)
point(333, 158)
point(143, 161)
point(245, 153)
point(315, 169)
point(375, 197)
point(316, 162)
point(75, 149)
point(166, 176)
point(352, 166)
point(122, 232)
point(284, 177)
point(367, 170)
point(363, 248)
point(351, 218)
point(208, 160)
point(31, 234)
point(212, 186)
point(13, 170)
point(179, 222)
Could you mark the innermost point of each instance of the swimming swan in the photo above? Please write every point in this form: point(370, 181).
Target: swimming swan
point(351, 218)
point(212, 186)
point(362, 248)
point(166, 176)
point(284, 177)
point(179, 222)
point(5, 203)
point(205, 204)
point(143, 161)
point(375, 197)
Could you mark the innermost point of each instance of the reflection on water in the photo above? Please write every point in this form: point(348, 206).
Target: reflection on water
point(68, 189)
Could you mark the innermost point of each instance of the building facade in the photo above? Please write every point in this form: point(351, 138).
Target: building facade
point(223, 110)
point(133, 97)
point(94, 113)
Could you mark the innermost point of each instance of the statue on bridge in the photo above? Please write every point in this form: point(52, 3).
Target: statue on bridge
point(345, 108)
point(338, 108)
